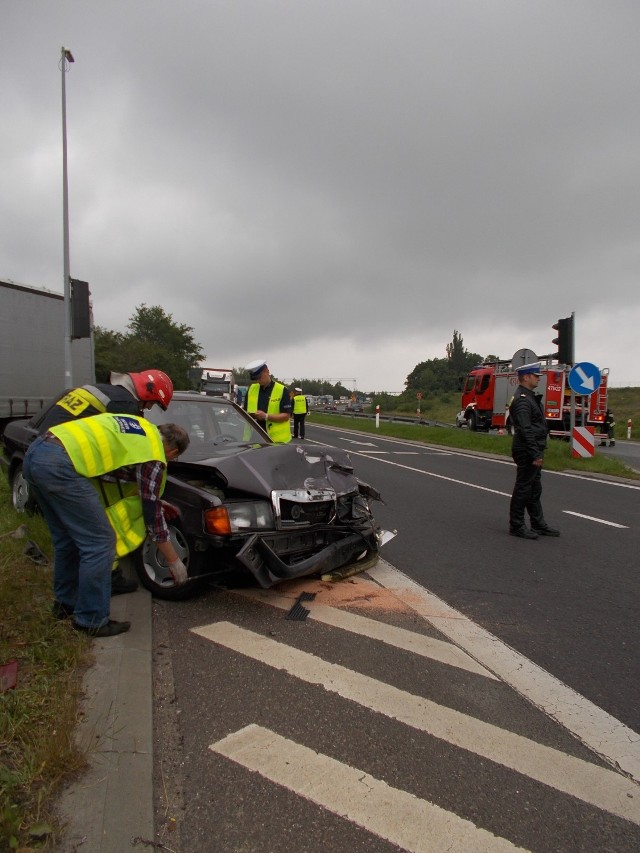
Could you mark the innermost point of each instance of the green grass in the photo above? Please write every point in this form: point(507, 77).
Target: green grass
point(38, 716)
point(557, 457)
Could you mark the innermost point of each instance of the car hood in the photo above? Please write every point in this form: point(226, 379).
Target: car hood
point(261, 470)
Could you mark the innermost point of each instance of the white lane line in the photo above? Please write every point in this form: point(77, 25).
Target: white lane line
point(593, 518)
point(601, 732)
point(399, 638)
point(415, 825)
point(432, 474)
point(598, 786)
point(480, 457)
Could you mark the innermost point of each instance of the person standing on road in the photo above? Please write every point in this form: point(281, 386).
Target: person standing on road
point(529, 442)
point(64, 467)
point(300, 411)
point(268, 402)
point(124, 394)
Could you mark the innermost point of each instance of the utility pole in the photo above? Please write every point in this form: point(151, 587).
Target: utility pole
point(66, 57)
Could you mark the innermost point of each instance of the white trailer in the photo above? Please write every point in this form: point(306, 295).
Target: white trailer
point(32, 350)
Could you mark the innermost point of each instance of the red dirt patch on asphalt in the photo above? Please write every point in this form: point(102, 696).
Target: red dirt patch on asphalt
point(355, 592)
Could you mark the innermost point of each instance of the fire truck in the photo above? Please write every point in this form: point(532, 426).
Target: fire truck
point(490, 387)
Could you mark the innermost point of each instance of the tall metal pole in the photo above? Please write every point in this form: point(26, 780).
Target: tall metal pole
point(65, 58)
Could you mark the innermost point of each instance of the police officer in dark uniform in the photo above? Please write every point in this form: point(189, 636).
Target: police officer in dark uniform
point(529, 442)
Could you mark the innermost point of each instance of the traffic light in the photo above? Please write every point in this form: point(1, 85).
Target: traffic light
point(564, 341)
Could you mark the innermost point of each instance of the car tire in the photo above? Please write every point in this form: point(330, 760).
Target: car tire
point(472, 422)
point(20, 498)
point(154, 574)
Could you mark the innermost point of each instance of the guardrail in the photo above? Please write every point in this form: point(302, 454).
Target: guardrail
point(406, 419)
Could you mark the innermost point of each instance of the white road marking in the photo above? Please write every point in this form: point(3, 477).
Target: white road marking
point(593, 518)
point(608, 737)
point(412, 824)
point(598, 786)
point(399, 638)
point(495, 460)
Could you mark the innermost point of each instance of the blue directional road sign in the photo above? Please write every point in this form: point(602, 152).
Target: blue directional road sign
point(585, 378)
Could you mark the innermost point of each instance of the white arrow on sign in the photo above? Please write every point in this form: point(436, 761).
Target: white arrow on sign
point(587, 381)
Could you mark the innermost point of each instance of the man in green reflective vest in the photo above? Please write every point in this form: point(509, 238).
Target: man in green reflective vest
point(63, 468)
point(123, 394)
point(300, 410)
point(268, 402)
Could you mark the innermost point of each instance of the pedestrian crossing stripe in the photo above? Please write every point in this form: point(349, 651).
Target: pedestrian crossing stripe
point(588, 782)
point(414, 825)
point(399, 638)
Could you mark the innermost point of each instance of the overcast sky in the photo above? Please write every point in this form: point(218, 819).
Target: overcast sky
point(333, 185)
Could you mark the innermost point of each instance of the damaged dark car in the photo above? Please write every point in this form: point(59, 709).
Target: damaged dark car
point(248, 509)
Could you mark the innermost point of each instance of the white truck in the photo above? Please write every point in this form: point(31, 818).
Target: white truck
point(217, 382)
point(32, 346)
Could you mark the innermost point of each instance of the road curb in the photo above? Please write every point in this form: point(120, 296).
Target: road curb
point(112, 802)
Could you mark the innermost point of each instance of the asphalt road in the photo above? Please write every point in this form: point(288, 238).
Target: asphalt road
point(472, 692)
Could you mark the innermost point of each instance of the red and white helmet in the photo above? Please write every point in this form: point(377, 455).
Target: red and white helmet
point(153, 386)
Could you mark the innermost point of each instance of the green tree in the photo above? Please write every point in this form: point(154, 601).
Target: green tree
point(154, 340)
point(440, 375)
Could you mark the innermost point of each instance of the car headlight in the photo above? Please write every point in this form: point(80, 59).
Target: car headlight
point(237, 517)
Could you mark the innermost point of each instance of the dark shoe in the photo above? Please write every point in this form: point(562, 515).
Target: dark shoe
point(121, 585)
point(523, 533)
point(546, 531)
point(61, 611)
point(110, 629)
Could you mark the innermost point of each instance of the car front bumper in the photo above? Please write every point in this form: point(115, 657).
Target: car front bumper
point(259, 557)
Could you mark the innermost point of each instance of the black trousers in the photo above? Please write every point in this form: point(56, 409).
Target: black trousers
point(298, 425)
point(526, 494)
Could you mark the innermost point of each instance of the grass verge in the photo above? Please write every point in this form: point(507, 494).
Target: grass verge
point(38, 716)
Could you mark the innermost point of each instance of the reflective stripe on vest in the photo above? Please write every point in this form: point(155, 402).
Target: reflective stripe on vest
point(299, 405)
point(104, 443)
point(123, 507)
point(280, 432)
point(77, 402)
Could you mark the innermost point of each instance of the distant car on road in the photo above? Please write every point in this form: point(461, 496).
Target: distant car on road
point(246, 506)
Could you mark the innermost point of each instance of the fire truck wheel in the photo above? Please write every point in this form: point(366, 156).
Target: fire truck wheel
point(472, 422)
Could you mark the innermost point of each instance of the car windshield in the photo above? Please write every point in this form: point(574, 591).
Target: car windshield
point(213, 424)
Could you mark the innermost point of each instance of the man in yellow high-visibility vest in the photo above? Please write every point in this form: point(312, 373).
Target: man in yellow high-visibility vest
point(268, 402)
point(62, 468)
point(300, 410)
point(123, 394)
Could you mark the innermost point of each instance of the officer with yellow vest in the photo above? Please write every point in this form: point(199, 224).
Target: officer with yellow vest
point(64, 468)
point(123, 394)
point(300, 410)
point(268, 402)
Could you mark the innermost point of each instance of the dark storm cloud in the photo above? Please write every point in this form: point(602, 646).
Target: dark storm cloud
point(320, 182)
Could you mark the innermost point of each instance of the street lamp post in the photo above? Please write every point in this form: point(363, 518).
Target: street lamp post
point(65, 58)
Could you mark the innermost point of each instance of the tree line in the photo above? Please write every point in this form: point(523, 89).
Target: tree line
point(154, 339)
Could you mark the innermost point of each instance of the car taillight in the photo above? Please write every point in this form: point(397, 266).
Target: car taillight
point(217, 521)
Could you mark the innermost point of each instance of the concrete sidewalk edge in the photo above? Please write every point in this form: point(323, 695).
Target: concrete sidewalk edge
point(112, 802)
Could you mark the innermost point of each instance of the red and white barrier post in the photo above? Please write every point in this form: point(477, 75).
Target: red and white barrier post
point(377, 417)
point(583, 444)
point(629, 425)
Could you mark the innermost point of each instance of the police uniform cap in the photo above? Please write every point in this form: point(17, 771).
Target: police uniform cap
point(299, 390)
point(256, 367)
point(533, 368)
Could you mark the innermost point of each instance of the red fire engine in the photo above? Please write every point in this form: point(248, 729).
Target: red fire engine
point(489, 389)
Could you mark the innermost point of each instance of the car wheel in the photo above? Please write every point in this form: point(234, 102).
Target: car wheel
point(20, 498)
point(472, 422)
point(154, 573)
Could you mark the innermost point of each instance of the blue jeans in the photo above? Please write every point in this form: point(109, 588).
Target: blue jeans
point(83, 540)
